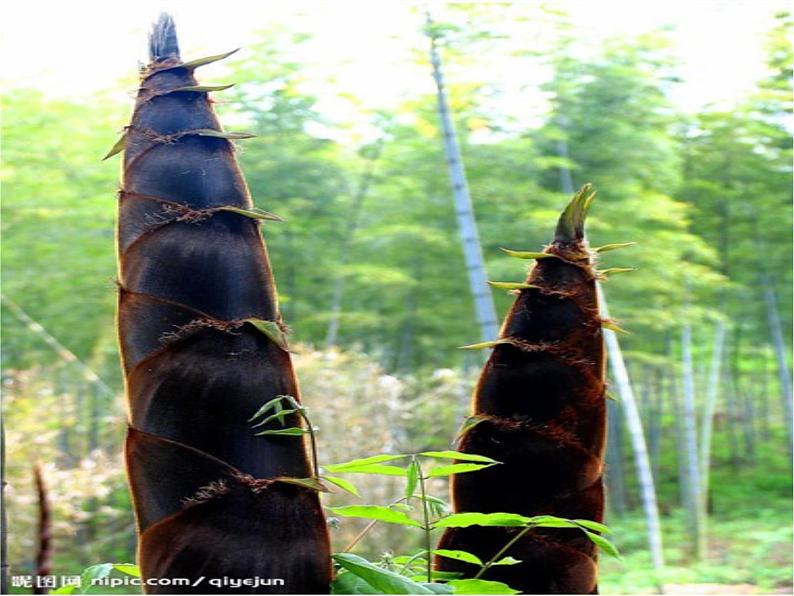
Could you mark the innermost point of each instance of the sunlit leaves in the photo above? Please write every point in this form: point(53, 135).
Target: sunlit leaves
point(375, 512)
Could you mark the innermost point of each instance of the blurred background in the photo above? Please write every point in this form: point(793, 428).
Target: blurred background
point(679, 113)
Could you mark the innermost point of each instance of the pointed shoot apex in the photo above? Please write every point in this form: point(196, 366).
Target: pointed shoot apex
point(163, 44)
point(570, 227)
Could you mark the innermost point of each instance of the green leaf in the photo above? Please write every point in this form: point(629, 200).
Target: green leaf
point(610, 395)
point(506, 561)
point(201, 88)
point(312, 483)
point(192, 64)
point(376, 512)
point(357, 463)
point(437, 588)
point(95, 572)
point(278, 415)
point(551, 521)
point(457, 469)
point(592, 525)
point(511, 285)
point(276, 401)
point(343, 484)
point(464, 520)
point(293, 431)
point(414, 559)
point(439, 576)
point(386, 582)
point(64, 590)
point(401, 507)
point(222, 134)
point(350, 583)
point(411, 478)
point(128, 569)
point(254, 213)
point(438, 507)
point(118, 147)
point(604, 544)
point(459, 555)
point(529, 254)
point(480, 586)
point(377, 469)
point(459, 455)
point(272, 330)
point(608, 247)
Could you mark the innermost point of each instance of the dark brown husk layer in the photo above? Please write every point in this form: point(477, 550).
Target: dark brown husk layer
point(539, 408)
point(193, 275)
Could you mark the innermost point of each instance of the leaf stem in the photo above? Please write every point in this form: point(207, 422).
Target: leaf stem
point(312, 442)
point(411, 560)
point(425, 519)
point(502, 551)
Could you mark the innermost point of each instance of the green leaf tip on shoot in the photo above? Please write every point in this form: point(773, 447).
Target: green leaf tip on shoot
point(614, 270)
point(310, 483)
point(613, 326)
point(570, 227)
point(192, 64)
point(511, 285)
point(222, 134)
point(484, 344)
point(616, 246)
point(528, 254)
point(254, 213)
point(117, 147)
point(272, 330)
point(201, 88)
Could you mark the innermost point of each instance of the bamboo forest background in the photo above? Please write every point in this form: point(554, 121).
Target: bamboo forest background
point(372, 279)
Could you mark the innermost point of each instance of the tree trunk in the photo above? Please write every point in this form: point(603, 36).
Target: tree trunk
point(763, 396)
point(695, 522)
point(655, 431)
point(712, 394)
point(641, 461)
point(615, 478)
point(776, 329)
point(464, 210)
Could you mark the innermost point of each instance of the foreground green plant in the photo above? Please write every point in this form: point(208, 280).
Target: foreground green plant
point(414, 574)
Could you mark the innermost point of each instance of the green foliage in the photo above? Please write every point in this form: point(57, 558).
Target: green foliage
point(417, 567)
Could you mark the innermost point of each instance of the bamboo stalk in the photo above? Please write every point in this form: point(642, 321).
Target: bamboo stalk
point(540, 402)
point(203, 347)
